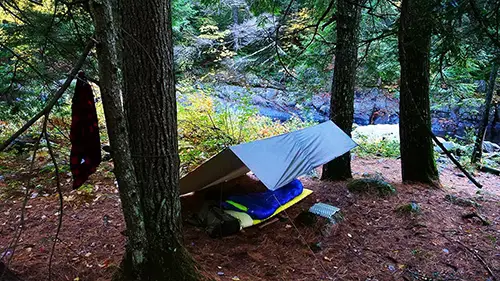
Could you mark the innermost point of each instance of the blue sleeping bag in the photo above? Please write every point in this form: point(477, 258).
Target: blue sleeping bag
point(263, 204)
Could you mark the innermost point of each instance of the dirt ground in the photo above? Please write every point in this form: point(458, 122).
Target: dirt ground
point(374, 242)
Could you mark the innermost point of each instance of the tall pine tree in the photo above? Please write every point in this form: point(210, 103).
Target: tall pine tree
point(417, 158)
point(143, 135)
point(344, 79)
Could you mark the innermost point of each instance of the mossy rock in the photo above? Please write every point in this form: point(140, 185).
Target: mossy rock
point(463, 202)
point(410, 208)
point(371, 186)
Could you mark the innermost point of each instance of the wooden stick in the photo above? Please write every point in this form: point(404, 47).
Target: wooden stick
point(269, 222)
point(490, 170)
point(455, 161)
point(480, 259)
point(55, 98)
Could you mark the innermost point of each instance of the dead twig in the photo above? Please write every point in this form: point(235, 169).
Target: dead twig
point(269, 222)
point(454, 160)
point(59, 193)
point(478, 257)
point(490, 170)
point(15, 240)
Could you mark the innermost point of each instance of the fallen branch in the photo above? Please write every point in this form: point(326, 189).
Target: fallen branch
point(479, 258)
point(483, 220)
point(269, 222)
point(55, 98)
point(490, 170)
point(454, 160)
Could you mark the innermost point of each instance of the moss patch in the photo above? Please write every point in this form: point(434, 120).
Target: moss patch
point(371, 186)
point(410, 208)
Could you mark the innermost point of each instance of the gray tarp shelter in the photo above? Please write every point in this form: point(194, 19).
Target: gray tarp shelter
point(276, 161)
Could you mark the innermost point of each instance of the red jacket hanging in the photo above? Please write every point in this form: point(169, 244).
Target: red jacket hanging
point(85, 141)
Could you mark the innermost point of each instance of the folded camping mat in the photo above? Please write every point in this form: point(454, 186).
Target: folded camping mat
point(262, 205)
point(247, 221)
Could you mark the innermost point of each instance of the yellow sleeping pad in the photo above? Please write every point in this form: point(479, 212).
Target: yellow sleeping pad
point(247, 221)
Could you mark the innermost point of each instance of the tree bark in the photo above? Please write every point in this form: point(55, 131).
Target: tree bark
point(342, 96)
point(417, 154)
point(478, 147)
point(116, 124)
point(150, 106)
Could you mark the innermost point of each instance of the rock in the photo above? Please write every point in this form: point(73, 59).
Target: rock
point(254, 31)
point(370, 185)
point(318, 101)
point(461, 201)
point(449, 145)
point(411, 208)
point(259, 100)
point(375, 105)
point(490, 147)
point(325, 110)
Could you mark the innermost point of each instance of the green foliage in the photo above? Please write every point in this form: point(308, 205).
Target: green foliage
point(39, 45)
point(183, 18)
point(382, 148)
point(207, 127)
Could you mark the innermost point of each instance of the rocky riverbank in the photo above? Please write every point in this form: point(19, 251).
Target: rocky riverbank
point(372, 106)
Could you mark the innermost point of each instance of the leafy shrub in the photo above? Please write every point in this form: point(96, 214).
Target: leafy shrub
point(206, 127)
point(382, 148)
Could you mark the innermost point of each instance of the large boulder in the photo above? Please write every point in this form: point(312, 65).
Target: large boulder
point(254, 31)
point(449, 145)
point(490, 147)
point(375, 106)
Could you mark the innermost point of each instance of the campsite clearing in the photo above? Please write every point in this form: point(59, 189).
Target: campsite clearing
point(374, 242)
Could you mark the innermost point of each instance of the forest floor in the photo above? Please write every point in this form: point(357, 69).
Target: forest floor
point(374, 242)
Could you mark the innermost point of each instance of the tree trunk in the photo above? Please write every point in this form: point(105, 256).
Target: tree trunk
point(116, 124)
point(478, 147)
point(342, 96)
point(417, 151)
point(143, 136)
point(150, 106)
